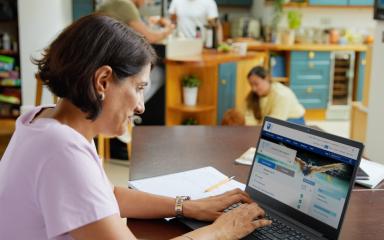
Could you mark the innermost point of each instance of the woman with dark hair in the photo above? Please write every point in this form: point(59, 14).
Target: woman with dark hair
point(273, 99)
point(52, 183)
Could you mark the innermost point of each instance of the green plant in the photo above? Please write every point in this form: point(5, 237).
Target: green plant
point(294, 19)
point(190, 81)
point(190, 121)
point(278, 12)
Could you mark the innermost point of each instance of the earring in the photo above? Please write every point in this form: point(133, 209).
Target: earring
point(102, 96)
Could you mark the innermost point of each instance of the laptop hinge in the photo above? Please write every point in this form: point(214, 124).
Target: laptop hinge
point(293, 221)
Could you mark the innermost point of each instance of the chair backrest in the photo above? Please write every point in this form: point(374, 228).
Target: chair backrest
point(39, 91)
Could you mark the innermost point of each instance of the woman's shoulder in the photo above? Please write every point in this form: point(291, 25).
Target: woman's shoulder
point(281, 90)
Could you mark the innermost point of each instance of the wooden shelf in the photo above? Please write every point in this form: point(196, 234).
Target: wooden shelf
point(192, 109)
point(307, 5)
point(8, 52)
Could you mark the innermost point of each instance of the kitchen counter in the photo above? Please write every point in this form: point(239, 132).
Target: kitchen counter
point(212, 57)
point(258, 46)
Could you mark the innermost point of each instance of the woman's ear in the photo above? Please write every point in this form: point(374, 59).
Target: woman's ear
point(103, 78)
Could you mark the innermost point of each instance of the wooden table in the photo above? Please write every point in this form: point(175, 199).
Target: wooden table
point(162, 150)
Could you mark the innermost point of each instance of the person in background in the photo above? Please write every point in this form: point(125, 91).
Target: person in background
point(52, 182)
point(192, 14)
point(273, 99)
point(127, 11)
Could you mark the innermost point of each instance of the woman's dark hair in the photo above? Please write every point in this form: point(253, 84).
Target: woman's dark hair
point(253, 100)
point(68, 65)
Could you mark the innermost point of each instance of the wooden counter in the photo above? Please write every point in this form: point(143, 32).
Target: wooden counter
point(212, 57)
point(257, 46)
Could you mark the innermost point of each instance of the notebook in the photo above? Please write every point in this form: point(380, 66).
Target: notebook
point(189, 183)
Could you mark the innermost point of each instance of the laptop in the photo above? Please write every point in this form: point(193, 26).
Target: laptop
point(303, 179)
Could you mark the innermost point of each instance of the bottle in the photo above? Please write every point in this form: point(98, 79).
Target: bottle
point(198, 32)
point(6, 42)
point(208, 37)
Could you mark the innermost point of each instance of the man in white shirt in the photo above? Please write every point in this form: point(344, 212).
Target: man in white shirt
point(189, 14)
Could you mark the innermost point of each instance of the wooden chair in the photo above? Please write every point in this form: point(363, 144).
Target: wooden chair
point(103, 145)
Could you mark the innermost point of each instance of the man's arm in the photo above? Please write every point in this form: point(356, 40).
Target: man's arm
point(150, 35)
point(219, 29)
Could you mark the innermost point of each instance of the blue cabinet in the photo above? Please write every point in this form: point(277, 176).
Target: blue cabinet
point(328, 2)
point(82, 8)
point(342, 2)
point(310, 77)
point(361, 2)
point(312, 96)
point(245, 3)
point(227, 88)
point(360, 81)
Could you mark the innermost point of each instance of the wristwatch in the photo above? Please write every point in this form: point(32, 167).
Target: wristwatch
point(179, 205)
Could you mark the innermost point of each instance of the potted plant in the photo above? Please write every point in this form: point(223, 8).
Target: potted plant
point(190, 85)
point(190, 121)
point(294, 23)
point(278, 12)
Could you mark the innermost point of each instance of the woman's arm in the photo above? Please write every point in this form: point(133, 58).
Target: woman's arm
point(136, 204)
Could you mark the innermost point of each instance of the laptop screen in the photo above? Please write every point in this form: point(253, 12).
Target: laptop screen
point(309, 173)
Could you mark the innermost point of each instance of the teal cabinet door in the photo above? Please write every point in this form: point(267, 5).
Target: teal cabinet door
point(226, 88)
point(360, 81)
point(312, 96)
point(361, 2)
point(310, 78)
point(310, 73)
point(328, 2)
point(234, 2)
point(82, 8)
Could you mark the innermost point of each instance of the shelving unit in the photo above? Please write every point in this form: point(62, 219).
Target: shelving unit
point(10, 82)
point(329, 4)
point(176, 111)
point(223, 86)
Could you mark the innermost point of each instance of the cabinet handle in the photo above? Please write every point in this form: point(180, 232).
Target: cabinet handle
point(311, 65)
point(309, 89)
point(311, 55)
point(363, 62)
point(224, 82)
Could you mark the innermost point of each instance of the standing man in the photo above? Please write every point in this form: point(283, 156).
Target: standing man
point(190, 14)
point(127, 12)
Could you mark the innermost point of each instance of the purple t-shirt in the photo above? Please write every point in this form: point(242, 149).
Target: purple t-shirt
point(51, 182)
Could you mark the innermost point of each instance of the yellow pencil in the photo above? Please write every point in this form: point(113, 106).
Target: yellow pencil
point(219, 184)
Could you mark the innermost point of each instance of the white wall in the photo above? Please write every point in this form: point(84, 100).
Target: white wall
point(351, 18)
point(39, 22)
point(375, 128)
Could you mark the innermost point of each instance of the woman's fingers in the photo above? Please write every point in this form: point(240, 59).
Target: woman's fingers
point(242, 196)
point(261, 223)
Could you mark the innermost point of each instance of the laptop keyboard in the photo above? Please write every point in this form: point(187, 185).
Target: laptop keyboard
point(277, 230)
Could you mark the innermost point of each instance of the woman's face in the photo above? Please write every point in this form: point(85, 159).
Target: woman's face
point(122, 100)
point(259, 85)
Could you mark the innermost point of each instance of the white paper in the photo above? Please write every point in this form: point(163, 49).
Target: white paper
point(189, 183)
point(375, 172)
point(247, 157)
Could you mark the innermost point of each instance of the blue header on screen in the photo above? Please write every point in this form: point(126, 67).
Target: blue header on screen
point(310, 148)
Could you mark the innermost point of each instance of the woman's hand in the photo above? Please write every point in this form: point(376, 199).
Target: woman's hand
point(239, 222)
point(208, 209)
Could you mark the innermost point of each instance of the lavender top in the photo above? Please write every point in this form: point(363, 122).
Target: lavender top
point(51, 182)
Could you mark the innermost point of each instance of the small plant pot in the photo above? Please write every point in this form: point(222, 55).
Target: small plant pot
point(288, 37)
point(190, 96)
